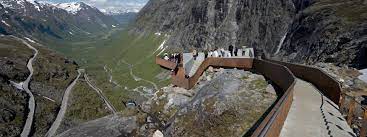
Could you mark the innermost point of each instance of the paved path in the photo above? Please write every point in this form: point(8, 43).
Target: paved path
point(314, 115)
point(31, 102)
point(99, 91)
point(60, 116)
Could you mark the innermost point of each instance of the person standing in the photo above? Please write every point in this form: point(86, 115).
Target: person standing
point(230, 48)
point(194, 54)
point(215, 53)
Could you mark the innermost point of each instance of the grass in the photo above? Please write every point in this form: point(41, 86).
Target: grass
point(85, 104)
point(114, 52)
point(354, 12)
point(258, 84)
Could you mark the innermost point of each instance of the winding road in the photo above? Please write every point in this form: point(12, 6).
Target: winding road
point(60, 116)
point(31, 103)
point(136, 78)
point(99, 91)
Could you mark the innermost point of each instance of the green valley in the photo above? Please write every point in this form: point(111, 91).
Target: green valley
point(122, 65)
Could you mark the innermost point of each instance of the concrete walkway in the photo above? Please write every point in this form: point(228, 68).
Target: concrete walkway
point(314, 115)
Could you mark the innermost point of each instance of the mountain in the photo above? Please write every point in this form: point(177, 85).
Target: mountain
point(87, 17)
point(124, 18)
point(302, 31)
point(56, 21)
point(328, 31)
point(209, 24)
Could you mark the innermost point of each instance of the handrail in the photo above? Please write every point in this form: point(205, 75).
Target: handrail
point(274, 121)
point(165, 63)
point(272, 124)
point(283, 75)
point(328, 85)
point(180, 80)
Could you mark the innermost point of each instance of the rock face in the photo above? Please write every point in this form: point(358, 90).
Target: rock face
point(218, 23)
point(328, 31)
point(222, 106)
point(301, 31)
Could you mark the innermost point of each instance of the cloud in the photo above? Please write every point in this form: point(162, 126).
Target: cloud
point(117, 5)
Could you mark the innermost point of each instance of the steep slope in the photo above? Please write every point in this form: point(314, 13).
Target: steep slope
point(332, 31)
point(53, 73)
point(302, 31)
point(218, 23)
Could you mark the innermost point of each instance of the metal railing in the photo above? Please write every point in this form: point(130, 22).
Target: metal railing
point(354, 112)
point(283, 75)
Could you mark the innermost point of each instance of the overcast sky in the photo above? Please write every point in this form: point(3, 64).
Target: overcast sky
point(109, 5)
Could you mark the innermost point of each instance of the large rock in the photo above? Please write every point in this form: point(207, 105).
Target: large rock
point(223, 107)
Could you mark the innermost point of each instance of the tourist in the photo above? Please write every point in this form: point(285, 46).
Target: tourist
point(215, 53)
point(222, 52)
point(178, 58)
point(229, 54)
point(210, 53)
point(166, 56)
point(230, 48)
point(194, 54)
point(235, 51)
point(219, 52)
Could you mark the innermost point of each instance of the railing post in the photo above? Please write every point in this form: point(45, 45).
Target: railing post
point(364, 125)
point(351, 111)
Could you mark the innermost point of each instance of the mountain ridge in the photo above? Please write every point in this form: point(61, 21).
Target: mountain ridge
point(40, 20)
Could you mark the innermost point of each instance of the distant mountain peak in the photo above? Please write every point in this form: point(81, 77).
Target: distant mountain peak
point(73, 7)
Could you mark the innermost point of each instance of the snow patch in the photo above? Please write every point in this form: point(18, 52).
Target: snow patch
point(280, 44)
point(158, 33)
point(5, 23)
point(364, 75)
point(72, 7)
point(160, 47)
point(30, 40)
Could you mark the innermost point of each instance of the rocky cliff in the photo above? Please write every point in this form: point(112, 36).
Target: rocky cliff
point(302, 31)
point(218, 23)
point(328, 31)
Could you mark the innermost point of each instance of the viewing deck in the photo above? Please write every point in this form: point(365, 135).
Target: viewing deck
point(303, 108)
